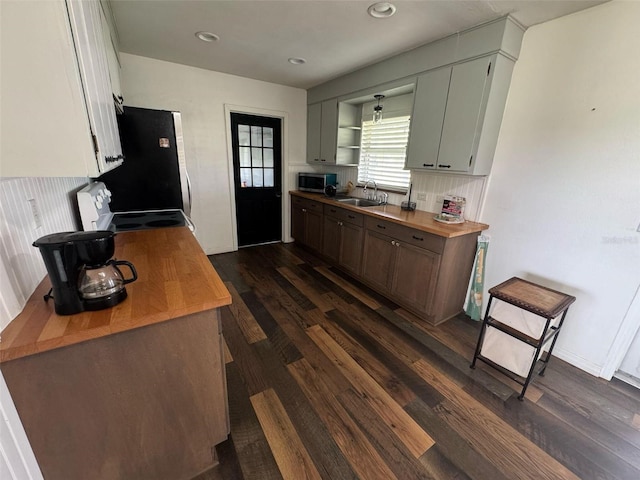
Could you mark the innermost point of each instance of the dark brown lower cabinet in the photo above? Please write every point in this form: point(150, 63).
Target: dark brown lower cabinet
point(408, 273)
point(425, 273)
point(343, 238)
point(306, 222)
point(414, 277)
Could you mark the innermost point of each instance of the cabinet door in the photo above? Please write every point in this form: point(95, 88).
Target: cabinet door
point(45, 130)
point(314, 124)
point(329, 131)
point(464, 114)
point(351, 248)
point(313, 230)
point(414, 276)
point(331, 239)
point(297, 223)
point(429, 103)
point(86, 27)
point(379, 259)
point(113, 63)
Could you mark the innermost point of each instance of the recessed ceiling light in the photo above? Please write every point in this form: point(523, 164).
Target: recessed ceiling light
point(297, 61)
point(207, 36)
point(381, 9)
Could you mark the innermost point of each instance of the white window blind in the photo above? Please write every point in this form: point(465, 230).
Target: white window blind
point(383, 150)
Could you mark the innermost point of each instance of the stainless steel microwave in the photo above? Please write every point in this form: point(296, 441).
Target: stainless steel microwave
point(316, 182)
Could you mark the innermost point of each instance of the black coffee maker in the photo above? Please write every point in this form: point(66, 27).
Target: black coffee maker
point(82, 273)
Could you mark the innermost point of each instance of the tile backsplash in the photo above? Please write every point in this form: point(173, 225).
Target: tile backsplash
point(432, 185)
point(21, 266)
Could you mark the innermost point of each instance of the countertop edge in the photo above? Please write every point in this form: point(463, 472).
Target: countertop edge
point(440, 229)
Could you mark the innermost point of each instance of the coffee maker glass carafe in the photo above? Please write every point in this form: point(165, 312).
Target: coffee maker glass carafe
point(68, 256)
point(102, 281)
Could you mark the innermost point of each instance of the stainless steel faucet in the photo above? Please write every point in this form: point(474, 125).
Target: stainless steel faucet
point(375, 190)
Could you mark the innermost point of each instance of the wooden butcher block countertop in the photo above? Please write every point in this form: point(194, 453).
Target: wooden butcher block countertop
point(418, 219)
point(175, 279)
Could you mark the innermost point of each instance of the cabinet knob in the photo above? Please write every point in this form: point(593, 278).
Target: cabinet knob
point(427, 164)
point(304, 210)
point(393, 242)
point(340, 223)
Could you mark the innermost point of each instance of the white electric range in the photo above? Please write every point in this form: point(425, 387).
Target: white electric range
point(95, 214)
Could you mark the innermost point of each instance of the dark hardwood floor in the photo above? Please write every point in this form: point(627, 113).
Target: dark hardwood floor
point(329, 380)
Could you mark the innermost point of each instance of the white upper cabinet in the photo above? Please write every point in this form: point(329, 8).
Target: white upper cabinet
point(89, 39)
point(322, 132)
point(429, 103)
point(57, 112)
point(456, 119)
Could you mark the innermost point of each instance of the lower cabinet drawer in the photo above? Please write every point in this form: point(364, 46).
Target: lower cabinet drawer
point(344, 214)
point(307, 203)
point(408, 235)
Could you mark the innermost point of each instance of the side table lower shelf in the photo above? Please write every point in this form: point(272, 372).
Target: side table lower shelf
point(549, 305)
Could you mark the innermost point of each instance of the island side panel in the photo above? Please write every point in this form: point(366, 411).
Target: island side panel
point(148, 403)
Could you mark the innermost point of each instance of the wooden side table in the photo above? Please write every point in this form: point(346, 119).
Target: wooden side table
point(546, 303)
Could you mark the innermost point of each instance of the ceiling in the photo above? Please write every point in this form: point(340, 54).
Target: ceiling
point(335, 37)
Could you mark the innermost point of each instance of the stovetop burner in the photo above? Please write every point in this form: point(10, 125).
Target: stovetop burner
point(145, 220)
point(163, 223)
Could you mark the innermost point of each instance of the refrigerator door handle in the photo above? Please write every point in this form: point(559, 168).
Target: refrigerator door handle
point(188, 190)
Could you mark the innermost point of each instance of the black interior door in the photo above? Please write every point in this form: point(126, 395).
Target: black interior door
point(257, 168)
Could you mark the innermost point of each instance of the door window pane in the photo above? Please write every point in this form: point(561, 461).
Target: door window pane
point(257, 177)
point(268, 177)
point(256, 156)
point(256, 136)
point(268, 157)
point(243, 135)
point(245, 156)
point(245, 177)
point(267, 137)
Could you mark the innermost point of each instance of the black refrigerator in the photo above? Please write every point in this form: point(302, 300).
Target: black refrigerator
point(153, 175)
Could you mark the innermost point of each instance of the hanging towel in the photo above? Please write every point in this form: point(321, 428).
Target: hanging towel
point(473, 308)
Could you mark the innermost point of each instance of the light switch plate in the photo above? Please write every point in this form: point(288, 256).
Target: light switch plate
point(35, 212)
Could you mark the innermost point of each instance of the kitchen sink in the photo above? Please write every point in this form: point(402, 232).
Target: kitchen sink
point(357, 202)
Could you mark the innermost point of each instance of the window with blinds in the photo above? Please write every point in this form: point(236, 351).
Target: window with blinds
point(382, 152)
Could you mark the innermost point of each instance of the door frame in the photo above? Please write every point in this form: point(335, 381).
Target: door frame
point(626, 333)
point(284, 178)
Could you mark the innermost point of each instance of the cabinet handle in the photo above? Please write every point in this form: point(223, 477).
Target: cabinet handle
point(418, 238)
point(316, 159)
point(332, 210)
point(322, 160)
point(444, 166)
point(351, 216)
point(427, 164)
point(381, 226)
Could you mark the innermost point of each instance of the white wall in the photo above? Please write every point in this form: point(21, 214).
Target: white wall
point(21, 270)
point(563, 200)
point(201, 96)
point(21, 265)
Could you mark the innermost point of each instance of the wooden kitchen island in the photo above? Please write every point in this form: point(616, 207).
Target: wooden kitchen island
point(137, 391)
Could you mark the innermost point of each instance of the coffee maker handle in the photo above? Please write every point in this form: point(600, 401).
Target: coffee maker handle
point(115, 263)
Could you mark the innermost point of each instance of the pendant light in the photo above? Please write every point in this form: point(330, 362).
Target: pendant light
point(377, 110)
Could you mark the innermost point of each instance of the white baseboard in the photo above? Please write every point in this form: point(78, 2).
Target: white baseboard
point(579, 362)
